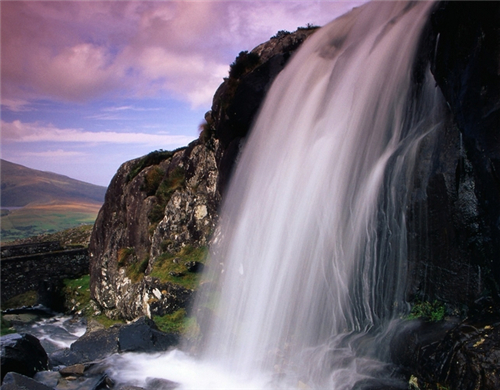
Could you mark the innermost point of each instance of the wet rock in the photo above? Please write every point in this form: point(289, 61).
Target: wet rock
point(142, 335)
point(468, 357)
point(457, 354)
point(23, 354)
point(453, 229)
point(15, 381)
point(414, 339)
point(83, 383)
point(160, 384)
point(64, 357)
point(74, 370)
point(96, 344)
point(48, 378)
point(380, 384)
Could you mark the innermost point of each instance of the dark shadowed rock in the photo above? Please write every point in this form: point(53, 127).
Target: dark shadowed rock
point(237, 101)
point(48, 378)
point(96, 344)
point(96, 382)
point(142, 335)
point(64, 357)
point(453, 217)
point(453, 353)
point(23, 354)
point(15, 381)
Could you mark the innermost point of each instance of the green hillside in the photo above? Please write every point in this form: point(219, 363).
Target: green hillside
point(44, 202)
point(21, 186)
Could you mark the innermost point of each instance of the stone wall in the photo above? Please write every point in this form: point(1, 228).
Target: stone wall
point(29, 249)
point(41, 272)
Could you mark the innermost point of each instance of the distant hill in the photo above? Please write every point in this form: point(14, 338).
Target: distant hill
point(44, 202)
point(21, 186)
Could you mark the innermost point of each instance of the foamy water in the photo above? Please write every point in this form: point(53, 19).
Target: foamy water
point(176, 366)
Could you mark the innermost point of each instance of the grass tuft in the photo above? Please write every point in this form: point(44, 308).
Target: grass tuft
point(172, 267)
point(5, 326)
point(431, 312)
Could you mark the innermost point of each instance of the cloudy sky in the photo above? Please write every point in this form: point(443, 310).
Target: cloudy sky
point(88, 85)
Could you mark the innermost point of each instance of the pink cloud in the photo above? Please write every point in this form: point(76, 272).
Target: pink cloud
point(17, 131)
point(82, 50)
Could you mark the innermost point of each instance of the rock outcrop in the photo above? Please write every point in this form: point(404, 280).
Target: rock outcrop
point(155, 205)
point(162, 208)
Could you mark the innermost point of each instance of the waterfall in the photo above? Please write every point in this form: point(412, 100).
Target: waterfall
point(308, 267)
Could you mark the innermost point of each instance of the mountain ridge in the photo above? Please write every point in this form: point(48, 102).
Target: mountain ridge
point(21, 186)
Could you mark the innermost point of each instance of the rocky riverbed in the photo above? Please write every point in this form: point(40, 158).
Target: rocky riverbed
point(52, 351)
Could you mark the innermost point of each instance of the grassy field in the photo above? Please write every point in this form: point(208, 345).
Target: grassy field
point(33, 220)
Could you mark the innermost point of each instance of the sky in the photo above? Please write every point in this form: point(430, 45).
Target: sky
point(88, 85)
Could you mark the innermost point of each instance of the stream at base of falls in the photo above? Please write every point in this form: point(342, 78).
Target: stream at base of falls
point(176, 368)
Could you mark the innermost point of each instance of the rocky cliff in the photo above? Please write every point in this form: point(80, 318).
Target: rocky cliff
point(150, 237)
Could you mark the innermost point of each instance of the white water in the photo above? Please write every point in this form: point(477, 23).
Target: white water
point(54, 333)
point(310, 259)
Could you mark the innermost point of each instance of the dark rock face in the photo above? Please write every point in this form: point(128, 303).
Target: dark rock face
point(238, 99)
point(455, 215)
point(467, 69)
point(23, 354)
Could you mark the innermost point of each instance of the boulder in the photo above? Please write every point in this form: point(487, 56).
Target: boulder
point(142, 335)
point(64, 357)
point(23, 354)
point(96, 344)
point(48, 378)
point(15, 381)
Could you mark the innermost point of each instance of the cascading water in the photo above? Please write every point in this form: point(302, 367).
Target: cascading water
point(310, 260)
point(308, 268)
